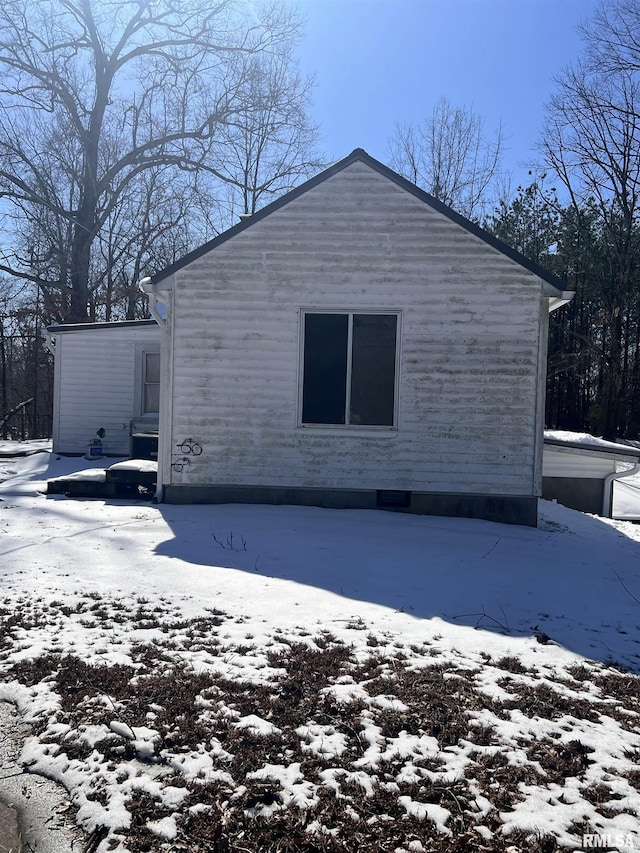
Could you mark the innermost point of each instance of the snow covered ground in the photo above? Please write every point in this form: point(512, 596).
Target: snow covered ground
point(377, 614)
point(626, 499)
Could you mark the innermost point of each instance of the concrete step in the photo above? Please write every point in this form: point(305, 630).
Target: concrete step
point(10, 837)
point(131, 479)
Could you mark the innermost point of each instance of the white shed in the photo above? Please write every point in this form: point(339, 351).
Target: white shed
point(106, 377)
point(580, 470)
point(356, 344)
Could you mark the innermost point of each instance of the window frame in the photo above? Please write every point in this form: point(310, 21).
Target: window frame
point(143, 409)
point(142, 350)
point(349, 427)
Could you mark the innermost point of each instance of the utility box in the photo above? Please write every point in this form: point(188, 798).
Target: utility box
point(144, 445)
point(94, 449)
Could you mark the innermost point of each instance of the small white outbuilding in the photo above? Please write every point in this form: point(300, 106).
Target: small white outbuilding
point(581, 471)
point(106, 377)
point(354, 344)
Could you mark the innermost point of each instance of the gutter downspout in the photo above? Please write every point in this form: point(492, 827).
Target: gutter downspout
point(148, 287)
point(607, 495)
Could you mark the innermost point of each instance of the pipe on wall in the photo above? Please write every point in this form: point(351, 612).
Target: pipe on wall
point(147, 286)
point(607, 495)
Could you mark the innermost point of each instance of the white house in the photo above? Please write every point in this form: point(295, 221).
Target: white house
point(354, 344)
point(106, 377)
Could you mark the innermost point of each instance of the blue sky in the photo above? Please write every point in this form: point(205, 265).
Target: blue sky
point(377, 62)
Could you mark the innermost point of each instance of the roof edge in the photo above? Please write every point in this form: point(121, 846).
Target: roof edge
point(111, 324)
point(361, 156)
point(595, 449)
point(465, 223)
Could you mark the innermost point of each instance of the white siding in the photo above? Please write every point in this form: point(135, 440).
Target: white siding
point(573, 463)
point(471, 326)
point(97, 385)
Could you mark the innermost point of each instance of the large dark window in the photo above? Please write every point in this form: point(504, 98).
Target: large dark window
point(349, 369)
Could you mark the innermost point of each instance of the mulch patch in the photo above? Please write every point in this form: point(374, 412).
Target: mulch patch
point(364, 794)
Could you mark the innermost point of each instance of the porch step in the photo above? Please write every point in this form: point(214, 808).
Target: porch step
point(135, 478)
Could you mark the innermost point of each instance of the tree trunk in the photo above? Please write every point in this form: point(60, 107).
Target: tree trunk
point(80, 264)
point(4, 405)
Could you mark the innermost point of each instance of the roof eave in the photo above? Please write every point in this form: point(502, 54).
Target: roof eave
point(556, 302)
point(111, 324)
point(620, 452)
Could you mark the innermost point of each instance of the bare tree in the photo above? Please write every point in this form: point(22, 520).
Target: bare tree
point(271, 146)
point(591, 140)
point(25, 365)
point(612, 37)
point(93, 95)
point(450, 156)
point(152, 226)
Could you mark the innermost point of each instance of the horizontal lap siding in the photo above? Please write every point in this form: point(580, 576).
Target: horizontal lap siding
point(557, 463)
point(469, 348)
point(97, 386)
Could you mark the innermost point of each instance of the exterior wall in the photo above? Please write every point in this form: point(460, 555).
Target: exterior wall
point(582, 493)
point(559, 462)
point(508, 510)
point(541, 391)
point(470, 350)
point(577, 477)
point(97, 384)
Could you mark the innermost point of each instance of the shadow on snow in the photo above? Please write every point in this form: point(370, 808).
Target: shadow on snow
point(573, 579)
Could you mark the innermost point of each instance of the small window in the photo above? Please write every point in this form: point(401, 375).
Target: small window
point(151, 383)
point(349, 369)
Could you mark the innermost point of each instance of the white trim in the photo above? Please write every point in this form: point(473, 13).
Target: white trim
point(349, 371)
point(558, 301)
point(142, 350)
point(165, 428)
point(607, 489)
point(57, 391)
point(146, 382)
point(540, 400)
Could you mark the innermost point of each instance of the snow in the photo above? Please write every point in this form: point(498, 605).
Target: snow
point(321, 740)
point(427, 810)
point(473, 592)
point(164, 828)
point(626, 498)
point(94, 475)
point(571, 438)
point(24, 448)
point(144, 466)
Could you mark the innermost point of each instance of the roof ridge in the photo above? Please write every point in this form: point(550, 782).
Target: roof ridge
point(360, 155)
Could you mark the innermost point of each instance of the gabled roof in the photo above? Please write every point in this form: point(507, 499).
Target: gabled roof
point(361, 156)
